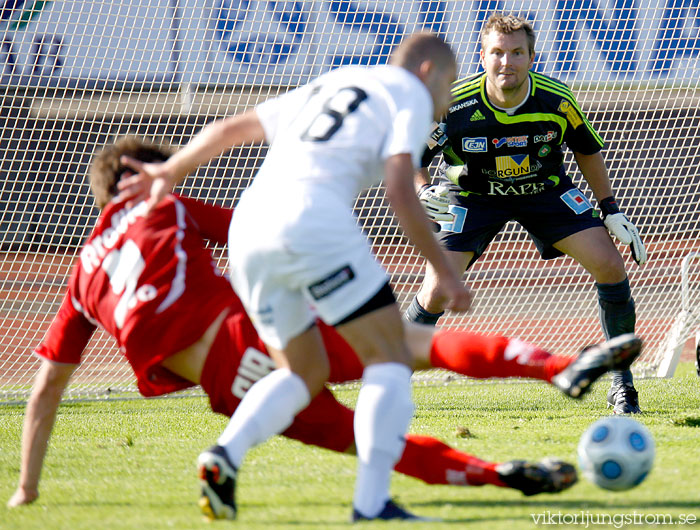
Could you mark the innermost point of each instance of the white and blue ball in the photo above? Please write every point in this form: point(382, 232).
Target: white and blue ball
point(616, 453)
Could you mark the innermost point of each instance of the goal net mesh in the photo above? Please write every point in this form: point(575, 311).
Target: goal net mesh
point(76, 75)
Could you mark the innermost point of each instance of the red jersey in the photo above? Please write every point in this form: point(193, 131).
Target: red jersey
point(150, 282)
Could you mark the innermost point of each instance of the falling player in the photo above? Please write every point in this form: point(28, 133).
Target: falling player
point(150, 282)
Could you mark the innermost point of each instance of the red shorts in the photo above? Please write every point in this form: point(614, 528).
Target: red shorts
point(238, 358)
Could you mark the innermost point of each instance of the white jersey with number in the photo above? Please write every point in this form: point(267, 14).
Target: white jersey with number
point(294, 240)
point(334, 134)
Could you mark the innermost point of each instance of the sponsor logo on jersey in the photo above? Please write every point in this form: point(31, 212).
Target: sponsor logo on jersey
point(462, 105)
point(549, 137)
point(254, 365)
point(511, 141)
point(512, 166)
point(331, 282)
point(437, 137)
point(577, 201)
point(515, 172)
point(477, 116)
point(544, 150)
point(571, 115)
point(503, 188)
point(475, 145)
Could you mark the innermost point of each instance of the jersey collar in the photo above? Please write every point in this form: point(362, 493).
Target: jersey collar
point(511, 110)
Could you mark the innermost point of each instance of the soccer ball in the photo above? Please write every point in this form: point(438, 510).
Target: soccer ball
point(616, 453)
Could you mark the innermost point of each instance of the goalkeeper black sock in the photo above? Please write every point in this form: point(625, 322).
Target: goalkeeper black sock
point(617, 316)
point(416, 313)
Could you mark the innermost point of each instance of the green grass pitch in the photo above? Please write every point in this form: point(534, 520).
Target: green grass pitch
point(130, 464)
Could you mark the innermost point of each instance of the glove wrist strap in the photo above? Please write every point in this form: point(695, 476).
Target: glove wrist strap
point(423, 188)
point(608, 206)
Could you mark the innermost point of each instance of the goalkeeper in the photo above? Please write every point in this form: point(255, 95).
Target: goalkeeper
point(502, 145)
point(179, 323)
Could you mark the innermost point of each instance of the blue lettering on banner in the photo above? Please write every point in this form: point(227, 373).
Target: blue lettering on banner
point(675, 39)
point(46, 50)
point(616, 38)
point(46, 57)
point(634, 40)
point(10, 61)
point(577, 201)
point(614, 34)
point(258, 49)
point(432, 16)
point(18, 15)
point(386, 28)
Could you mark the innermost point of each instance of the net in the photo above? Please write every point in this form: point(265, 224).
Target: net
point(75, 75)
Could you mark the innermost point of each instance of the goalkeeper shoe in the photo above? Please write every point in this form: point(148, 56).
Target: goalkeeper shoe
point(617, 353)
point(390, 511)
point(546, 476)
point(217, 476)
point(623, 399)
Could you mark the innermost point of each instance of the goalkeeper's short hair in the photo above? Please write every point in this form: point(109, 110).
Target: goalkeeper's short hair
point(507, 24)
point(106, 168)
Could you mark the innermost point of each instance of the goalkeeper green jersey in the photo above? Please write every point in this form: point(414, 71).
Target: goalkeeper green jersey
point(508, 152)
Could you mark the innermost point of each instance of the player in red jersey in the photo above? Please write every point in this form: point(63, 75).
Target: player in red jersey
point(152, 284)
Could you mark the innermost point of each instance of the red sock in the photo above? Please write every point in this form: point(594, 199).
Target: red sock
point(484, 356)
point(434, 462)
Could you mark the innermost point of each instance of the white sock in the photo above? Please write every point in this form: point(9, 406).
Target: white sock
point(383, 412)
point(268, 408)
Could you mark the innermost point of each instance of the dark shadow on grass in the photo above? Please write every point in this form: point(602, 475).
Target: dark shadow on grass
point(564, 504)
point(317, 523)
point(327, 524)
point(538, 506)
point(94, 505)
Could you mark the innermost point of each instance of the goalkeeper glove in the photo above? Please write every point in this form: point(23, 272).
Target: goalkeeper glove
point(433, 198)
point(622, 228)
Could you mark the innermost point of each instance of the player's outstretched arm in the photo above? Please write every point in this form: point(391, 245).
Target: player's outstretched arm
point(153, 181)
point(399, 174)
point(594, 170)
point(50, 382)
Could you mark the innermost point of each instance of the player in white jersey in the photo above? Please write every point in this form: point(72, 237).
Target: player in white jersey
point(296, 252)
point(329, 140)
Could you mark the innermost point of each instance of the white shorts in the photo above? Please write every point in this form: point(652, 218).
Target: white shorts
point(299, 263)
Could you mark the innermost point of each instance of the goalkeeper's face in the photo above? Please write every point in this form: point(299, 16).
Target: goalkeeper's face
point(506, 59)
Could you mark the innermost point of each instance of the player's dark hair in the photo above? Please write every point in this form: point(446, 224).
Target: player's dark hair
point(420, 47)
point(507, 24)
point(107, 169)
